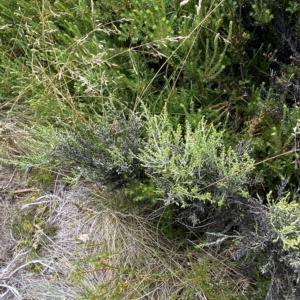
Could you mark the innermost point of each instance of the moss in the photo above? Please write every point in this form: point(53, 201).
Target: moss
point(30, 227)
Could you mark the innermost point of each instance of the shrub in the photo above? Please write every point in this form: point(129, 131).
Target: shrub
point(189, 165)
point(189, 170)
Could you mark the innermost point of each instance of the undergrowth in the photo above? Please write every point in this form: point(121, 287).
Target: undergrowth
point(188, 112)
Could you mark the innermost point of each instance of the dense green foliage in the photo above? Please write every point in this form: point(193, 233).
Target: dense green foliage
point(191, 108)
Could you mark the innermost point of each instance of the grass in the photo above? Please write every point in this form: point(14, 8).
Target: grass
point(97, 251)
point(63, 236)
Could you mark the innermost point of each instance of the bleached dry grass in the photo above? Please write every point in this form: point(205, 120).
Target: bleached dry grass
point(11, 137)
point(17, 281)
point(96, 250)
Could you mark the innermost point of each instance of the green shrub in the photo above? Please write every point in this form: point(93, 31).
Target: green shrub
point(189, 173)
point(283, 258)
point(192, 164)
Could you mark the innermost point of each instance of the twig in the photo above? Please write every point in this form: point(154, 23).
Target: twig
point(11, 289)
point(10, 180)
point(24, 191)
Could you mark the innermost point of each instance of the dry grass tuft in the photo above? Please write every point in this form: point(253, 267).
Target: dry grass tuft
point(95, 250)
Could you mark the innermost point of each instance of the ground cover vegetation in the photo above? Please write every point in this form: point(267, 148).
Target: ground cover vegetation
point(150, 149)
